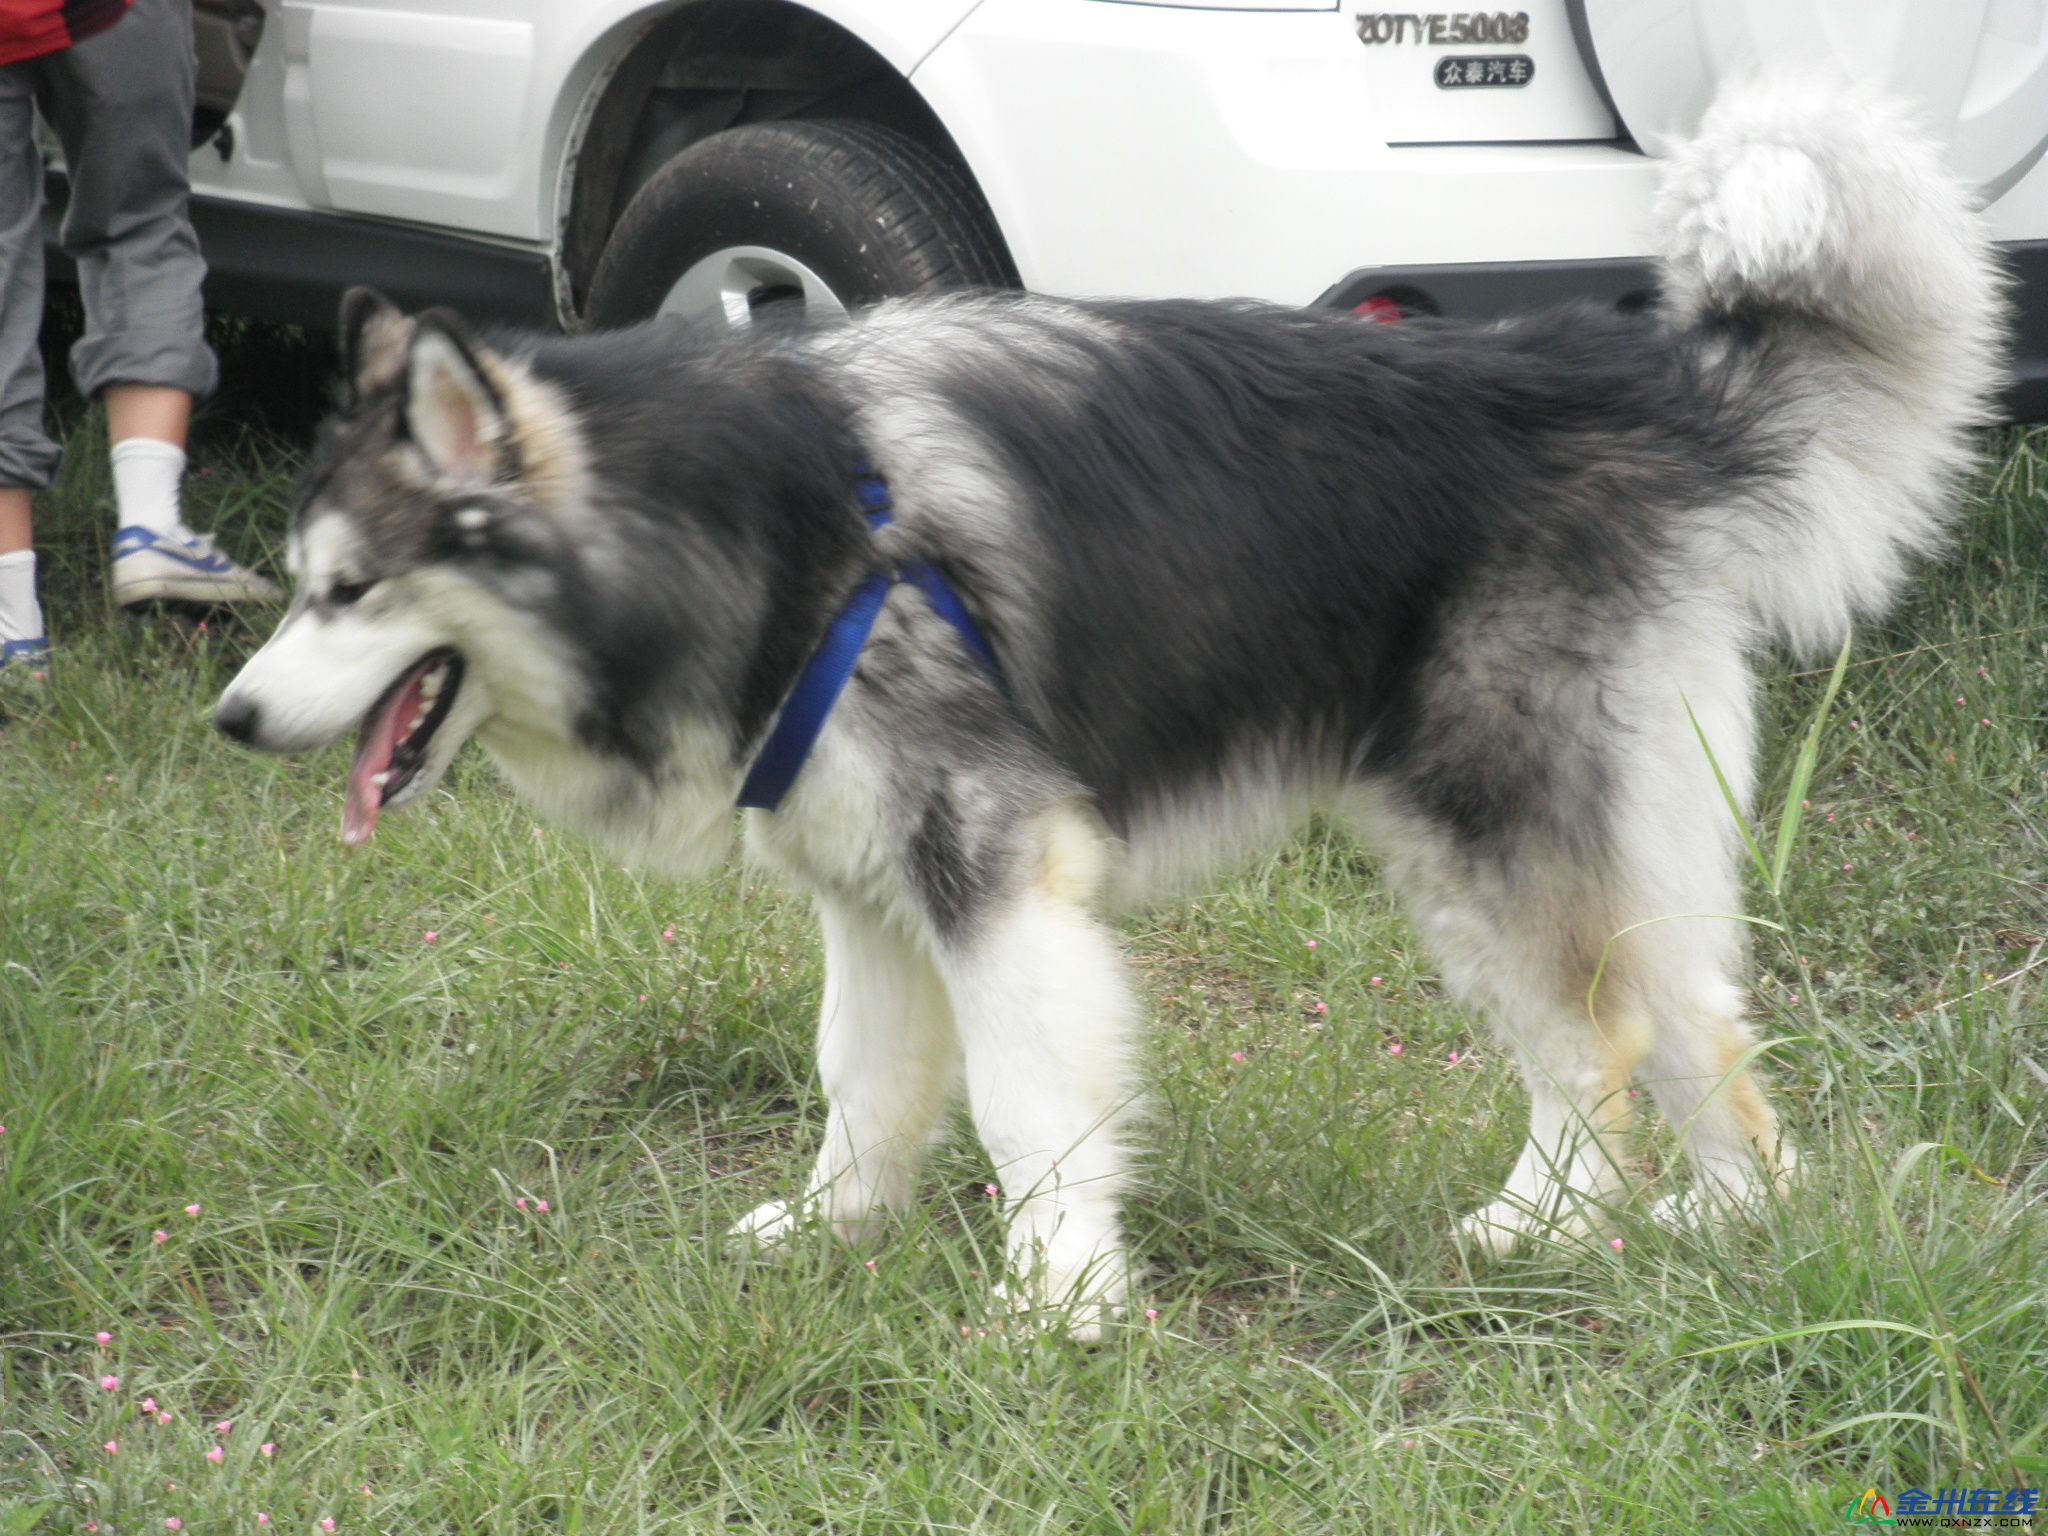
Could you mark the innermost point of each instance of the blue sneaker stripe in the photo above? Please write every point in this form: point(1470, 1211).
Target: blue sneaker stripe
point(136, 540)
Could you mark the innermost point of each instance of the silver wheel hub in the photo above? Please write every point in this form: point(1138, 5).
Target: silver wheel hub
point(732, 283)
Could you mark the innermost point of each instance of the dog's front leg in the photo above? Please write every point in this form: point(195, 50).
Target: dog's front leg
point(888, 1058)
point(1046, 1020)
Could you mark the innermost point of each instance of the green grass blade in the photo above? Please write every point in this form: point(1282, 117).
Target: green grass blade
point(1756, 854)
point(1802, 770)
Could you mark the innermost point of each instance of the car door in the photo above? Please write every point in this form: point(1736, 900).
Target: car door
point(415, 109)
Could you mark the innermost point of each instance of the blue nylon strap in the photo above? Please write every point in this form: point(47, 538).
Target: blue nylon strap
point(819, 685)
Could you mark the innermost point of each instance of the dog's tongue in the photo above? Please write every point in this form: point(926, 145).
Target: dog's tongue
point(373, 755)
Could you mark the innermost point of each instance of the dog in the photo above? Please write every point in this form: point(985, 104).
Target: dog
point(1100, 596)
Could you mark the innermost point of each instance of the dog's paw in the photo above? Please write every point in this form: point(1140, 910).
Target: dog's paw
point(1077, 1322)
point(1498, 1229)
point(770, 1225)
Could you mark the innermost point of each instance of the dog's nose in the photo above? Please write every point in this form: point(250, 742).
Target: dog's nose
point(236, 718)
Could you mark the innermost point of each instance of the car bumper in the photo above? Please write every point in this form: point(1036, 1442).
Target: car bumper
point(1485, 290)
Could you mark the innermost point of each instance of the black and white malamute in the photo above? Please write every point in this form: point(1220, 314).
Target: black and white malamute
point(1114, 592)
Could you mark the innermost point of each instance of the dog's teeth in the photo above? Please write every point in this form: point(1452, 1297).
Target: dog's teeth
point(381, 779)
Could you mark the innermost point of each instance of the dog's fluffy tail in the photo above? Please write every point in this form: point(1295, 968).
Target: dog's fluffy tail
point(1860, 296)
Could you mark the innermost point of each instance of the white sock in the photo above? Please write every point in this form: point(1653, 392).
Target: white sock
point(21, 616)
point(146, 476)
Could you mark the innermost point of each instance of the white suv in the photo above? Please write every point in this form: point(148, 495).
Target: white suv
point(577, 162)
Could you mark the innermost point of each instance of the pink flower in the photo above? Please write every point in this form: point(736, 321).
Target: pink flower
point(519, 1204)
point(966, 1332)
point(1320, 1009)
point(1848, 868)
point(216, 1455)
point(164, 1417)
point(668, 935)
point(1985, 721)
point(262, 1518)
point(1453, 1058)
point(223, 1427)
point(173, 1523)
point(1377, 981)
point(103, 1338)
point(112, 1447)
point(192, 1210)
point(366, 1490)
point(1617, 1245)
point(159, 1236)
point(148, 1406)
point(1152, 1313)
point(1394, 1048)
point(541, 1206)
point(430, 937)
point(1311, 943)
point(1960, 699)
point(1237, 1055)
point(869, 1266)
point(110, 1383)
point(990, 1190)
point(327, 1522)
point(267, 1447)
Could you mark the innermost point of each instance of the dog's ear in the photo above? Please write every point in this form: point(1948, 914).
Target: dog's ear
point(374, 335)
point(452, 409)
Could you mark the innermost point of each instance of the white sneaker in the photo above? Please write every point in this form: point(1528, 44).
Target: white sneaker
point(148, 567)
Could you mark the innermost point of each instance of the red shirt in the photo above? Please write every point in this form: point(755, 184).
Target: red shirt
point(32, 28)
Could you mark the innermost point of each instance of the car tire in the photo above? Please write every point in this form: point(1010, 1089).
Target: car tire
point(835, 214)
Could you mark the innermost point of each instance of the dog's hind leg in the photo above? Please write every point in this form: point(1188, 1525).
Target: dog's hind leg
point(1679, 853)
point(1576, 1064)
point(1047, 1018)
point(888, 1060)
point(1518, 935)
point(1698, 1072)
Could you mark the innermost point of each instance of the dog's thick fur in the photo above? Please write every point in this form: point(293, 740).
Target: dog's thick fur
point(1457, 585)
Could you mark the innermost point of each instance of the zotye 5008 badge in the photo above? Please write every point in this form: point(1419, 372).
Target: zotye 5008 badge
point(1440, 30)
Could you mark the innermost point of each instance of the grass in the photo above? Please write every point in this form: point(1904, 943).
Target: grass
point(204, 1000)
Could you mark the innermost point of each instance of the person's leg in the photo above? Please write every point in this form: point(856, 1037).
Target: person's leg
point(146, 426)
point(151, 411)
point(28, 459)
point(122, 105)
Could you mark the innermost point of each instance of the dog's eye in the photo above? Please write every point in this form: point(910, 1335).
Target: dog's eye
point(342, 593)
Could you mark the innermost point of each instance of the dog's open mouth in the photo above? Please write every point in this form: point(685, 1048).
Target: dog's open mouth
point(395, 733)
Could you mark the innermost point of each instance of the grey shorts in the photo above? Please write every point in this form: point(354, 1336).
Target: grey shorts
point(121, 103)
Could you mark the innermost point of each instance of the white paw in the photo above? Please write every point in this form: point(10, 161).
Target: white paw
point(771, 1225)
point(1498, 1229)
point(1720, 1202)
point(1079, 1322)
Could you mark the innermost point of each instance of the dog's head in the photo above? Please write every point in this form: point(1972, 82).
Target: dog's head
point(440, 499)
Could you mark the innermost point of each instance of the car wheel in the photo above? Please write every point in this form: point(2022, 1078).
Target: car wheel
point(772, 220)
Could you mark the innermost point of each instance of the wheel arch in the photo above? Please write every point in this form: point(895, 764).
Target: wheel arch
point(651, 81)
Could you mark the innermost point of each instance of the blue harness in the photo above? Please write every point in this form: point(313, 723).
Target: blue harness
point(818, 686)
